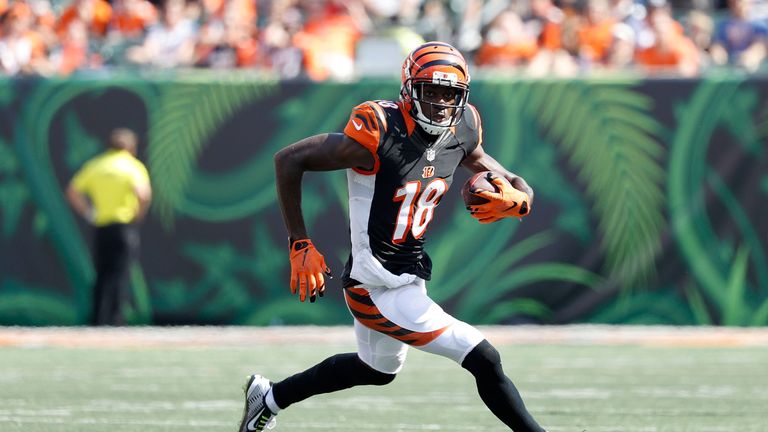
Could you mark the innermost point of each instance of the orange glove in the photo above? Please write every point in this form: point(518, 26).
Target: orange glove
point(507, 202)
point(308, 270)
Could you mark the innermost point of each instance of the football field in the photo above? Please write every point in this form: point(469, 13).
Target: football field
point(573, 378)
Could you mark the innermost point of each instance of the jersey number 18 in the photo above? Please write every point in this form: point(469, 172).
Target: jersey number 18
point(416, 209)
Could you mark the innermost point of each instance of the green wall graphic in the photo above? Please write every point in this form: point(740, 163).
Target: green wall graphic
point(651, 201)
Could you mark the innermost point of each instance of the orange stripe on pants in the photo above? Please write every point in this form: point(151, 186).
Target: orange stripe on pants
point(368, 314)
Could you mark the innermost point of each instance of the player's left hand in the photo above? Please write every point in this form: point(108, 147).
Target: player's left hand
point(308, 270)
point(507, 202)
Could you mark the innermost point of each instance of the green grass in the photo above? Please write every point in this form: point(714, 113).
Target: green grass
point(567, 387)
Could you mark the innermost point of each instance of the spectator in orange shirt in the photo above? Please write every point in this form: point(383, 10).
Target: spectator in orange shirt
point(506, 43)
point(565, 61)
point(548, 20)
point(329, 37)
point(243, 10)
point(74, 53)
point(596, 33)
point(228, 41)
point(242, 37)
point(131, 18)
point(671, 51)
point(45, 20)
point(22, 49)
point(97, 14)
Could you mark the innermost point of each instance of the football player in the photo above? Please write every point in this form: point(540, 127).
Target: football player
point(400, 157)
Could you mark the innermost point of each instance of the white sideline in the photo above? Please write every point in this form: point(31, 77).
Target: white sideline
point(210, 336)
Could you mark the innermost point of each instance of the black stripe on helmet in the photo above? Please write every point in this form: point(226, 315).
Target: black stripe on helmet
point(446, 53)
point(453, 53)
point(442, 62)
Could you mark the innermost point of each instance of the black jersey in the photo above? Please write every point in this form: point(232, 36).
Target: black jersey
point(392, 205)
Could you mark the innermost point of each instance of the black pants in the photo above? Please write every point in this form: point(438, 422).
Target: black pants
point(115, 249)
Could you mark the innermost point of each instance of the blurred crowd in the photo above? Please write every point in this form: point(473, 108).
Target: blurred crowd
point(344, 39)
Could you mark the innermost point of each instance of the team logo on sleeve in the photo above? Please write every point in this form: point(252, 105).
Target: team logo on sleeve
point(428, 171)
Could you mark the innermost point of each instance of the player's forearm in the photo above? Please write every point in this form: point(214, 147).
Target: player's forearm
point(324, 152)
point(288, 174)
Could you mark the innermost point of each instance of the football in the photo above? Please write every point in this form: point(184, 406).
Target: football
point(479, 181)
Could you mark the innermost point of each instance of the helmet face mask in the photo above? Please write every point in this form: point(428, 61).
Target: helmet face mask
point(438, 105)
point(435, 81)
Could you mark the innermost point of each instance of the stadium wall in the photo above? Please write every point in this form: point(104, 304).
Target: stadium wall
point(651, 201)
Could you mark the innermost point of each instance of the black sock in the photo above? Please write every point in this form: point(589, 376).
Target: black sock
point(335, 373)
point(496, 390)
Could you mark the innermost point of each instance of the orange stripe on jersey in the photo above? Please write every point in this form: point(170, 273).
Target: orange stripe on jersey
point(405, 109)
point(363, 127)
point(478, 123)
point(368, 314)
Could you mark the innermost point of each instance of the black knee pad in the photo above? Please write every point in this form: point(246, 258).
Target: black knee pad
point(374, 377)
point(483, 360)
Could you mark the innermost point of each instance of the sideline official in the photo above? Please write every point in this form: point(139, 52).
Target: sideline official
point(112, 192)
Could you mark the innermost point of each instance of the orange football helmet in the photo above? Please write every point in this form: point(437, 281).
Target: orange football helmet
point(435, 63)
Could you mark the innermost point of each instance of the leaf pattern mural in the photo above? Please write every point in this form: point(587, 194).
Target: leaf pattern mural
point(82, 145)
point(722, 277)
point(14, 193)
point(609, 135)
point(22, 304)
point(645, 207)
point(187, 115)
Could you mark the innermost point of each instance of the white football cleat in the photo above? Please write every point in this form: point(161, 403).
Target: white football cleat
point(256, 415)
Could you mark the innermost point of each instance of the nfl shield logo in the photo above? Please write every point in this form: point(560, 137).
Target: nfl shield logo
point(430, 154)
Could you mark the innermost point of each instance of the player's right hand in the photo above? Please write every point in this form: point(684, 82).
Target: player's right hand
point(507, 202)
point(308, 270)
